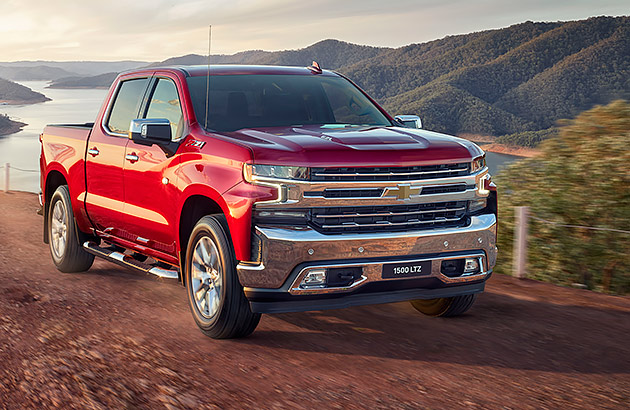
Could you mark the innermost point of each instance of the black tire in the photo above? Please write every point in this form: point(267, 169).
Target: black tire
point(71, 257)
point(232, 316)
point(445, 307)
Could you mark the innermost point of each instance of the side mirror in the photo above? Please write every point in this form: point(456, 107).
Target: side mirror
point(409, 121)
point(150, 131)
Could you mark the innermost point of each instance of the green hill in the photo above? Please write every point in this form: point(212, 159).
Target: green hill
point(516, 81)
point(564, 69)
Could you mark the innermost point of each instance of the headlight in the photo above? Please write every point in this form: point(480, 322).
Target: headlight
point(478, 163)
point(281, 217)
point(251, 172)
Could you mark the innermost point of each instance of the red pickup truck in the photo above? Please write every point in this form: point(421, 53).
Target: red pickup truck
point(269, 189)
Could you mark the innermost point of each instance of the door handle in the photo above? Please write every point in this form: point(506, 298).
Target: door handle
point(94, 151)
point(132, 157)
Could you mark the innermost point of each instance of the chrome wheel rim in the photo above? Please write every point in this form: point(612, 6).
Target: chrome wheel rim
point(59, 229)
point(206, 277)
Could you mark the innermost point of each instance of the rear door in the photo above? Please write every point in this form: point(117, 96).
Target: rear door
point(105, 160)
point(149, 174)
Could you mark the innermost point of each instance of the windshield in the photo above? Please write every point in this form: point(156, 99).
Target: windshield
point(254, 101)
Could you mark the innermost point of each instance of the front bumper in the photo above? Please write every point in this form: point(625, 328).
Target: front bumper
point(288, 253)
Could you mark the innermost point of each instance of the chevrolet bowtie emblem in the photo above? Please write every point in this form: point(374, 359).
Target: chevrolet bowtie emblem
point(403, 192)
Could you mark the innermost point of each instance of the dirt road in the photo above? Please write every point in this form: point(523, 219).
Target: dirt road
point(112, 338)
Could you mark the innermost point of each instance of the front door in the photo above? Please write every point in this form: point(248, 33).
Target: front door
point(149, 176)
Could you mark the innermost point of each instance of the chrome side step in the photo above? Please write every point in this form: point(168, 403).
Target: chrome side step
point(129, 262)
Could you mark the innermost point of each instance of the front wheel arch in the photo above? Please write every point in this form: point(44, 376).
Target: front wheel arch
point(195, 207)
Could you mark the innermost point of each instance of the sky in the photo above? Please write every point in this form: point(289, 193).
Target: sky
point(153, 30)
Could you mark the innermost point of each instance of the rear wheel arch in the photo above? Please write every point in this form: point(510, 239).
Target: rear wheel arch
point(54, 180)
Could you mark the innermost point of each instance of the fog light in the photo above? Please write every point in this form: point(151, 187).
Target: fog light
point(471, 265)
point(315, 278)
point(477, 204)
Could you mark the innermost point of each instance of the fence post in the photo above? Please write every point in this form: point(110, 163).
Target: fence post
point(6, 177)
point(519, 264)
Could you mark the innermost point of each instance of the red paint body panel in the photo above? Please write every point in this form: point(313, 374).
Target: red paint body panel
point(126, 200)
point(63, 151)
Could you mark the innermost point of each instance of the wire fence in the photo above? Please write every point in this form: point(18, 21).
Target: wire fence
point(7, 174)
point(594, 228)
point(24, 170)
point(522, 218)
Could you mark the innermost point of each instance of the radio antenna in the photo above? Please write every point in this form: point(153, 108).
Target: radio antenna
point(208, 78)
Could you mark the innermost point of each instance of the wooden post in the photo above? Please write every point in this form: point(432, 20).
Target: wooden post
point(6, 177)
point(519, 264)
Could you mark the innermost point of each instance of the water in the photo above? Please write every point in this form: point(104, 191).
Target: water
point(22, 148)
point(75, 106)
point(497, 161)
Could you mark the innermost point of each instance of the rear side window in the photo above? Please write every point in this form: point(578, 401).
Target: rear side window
point(164, 103)
point(126, 105)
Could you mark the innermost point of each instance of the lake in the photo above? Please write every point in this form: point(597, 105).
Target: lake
point(75, 106)
point(22, 148)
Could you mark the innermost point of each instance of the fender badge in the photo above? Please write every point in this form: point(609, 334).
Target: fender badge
point(195, 143)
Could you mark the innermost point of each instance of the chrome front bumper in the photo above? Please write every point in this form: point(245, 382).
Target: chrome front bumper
point(288, 253)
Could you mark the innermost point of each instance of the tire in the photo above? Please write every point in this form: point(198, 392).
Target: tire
point(215, 295)
point(444, 307)
point(64, 239)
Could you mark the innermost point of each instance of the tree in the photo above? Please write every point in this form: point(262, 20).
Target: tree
point(581, 177)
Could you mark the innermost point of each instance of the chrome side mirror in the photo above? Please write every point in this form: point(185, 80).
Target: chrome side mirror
point(150, 131)
point(409, 121)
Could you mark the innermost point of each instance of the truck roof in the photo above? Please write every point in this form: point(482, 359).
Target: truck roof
point(233, 69)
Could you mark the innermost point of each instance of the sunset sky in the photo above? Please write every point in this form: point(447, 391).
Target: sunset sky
point(153, 30)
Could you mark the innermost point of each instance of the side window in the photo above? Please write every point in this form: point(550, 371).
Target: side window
point(126, 105)
point(164, 103)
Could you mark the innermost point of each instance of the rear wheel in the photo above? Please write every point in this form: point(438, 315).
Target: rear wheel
point(64, 238)
point(444, 307)
point(215, 295)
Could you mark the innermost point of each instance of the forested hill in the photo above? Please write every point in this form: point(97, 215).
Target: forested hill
point(519, 79)
point(331, 54)
point(524, 77)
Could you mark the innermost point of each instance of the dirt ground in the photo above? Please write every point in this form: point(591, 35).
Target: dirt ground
point(113, 339)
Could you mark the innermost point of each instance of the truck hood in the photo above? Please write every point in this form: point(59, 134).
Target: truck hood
point(353, 146)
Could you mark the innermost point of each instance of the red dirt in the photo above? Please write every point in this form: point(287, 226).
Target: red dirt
point(511, 150)
point(113, 338)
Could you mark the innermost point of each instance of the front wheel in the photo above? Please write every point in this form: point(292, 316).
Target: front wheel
point(215, 295)
point(444, 307)
point(63, 236)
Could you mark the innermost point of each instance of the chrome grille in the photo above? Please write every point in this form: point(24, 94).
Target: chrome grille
point(389, 218)
point(418, 172)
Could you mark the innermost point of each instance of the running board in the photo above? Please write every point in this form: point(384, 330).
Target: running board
point(129, 262)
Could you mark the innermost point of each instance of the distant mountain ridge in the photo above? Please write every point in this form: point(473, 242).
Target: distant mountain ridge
point(79, 68)
point(97, 81)
point(331, 54)
point(518, 79)
point(35, 73)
